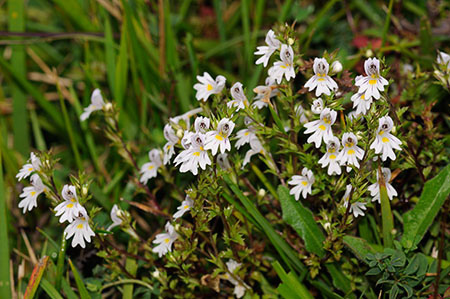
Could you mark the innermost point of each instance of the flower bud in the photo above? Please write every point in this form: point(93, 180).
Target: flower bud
point(336, 67)
point(261, 192)
point(290, 41)
point(180, 133)
point(108, 106)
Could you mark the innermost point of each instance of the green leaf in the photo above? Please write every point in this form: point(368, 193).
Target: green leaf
point(302, 220)
point(84, 294)
point(36, 277)
point(290, 286)
point(340, 281)
point(5, 287)
point(50, 289)
point(387, 218)
point(417, 221)
point(360, 247)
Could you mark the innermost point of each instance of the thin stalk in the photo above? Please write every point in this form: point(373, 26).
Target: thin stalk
point(386, 22)
point(5, 288)
point(387, 219)
point(60, 262)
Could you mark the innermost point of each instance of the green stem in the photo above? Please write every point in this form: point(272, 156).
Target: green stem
point(126, 281)
point(131, 267)
point(386, 214)
point(386, 22)
point(60, 262)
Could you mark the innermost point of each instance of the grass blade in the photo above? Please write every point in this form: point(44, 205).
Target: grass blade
point(49, 289)
point(5, 288)
point(84, 294)
point(387, 218)
point(36, 277)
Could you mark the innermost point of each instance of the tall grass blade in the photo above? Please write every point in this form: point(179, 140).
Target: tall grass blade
point(84, 294)
point(5, 287)
point(36, 277)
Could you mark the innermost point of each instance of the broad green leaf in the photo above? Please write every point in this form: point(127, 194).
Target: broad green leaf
point(417, 221)
point(290, 286)
point(358, 246)
point(302, 220)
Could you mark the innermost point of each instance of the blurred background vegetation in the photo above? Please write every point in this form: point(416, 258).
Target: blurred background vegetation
point(145, 55)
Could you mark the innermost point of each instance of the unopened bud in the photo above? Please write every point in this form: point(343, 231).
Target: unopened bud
point(261, 192)
point(336, 67)
point(290, 41)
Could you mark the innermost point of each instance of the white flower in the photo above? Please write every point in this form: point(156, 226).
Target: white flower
point(185, 206)
point(70, 208)
point(375, 188)
point(264, 93)
point(352, 115)
point(321, 127)
point(351, 152)
point(34, 164)
point(300, 113)
point(324, 83)
point(443, 59)
point(285, 67)
point(97, 103)
point(317, 106)
point(239, 99)
point(357, 207)
point(115, 217)
point(330, 157)
point(169, 147)
point(219, 137)
point(303, 183)
point(201, 124)
point(150, 170)
point(372, 83)
point(385, 142)
point(361, 103)
point(186, 140)
point(208, 86)
point(185, 117)
point(195, 156)
point(266, 51)
point(222, 160)
point(336, 67)
point(255, 148)
point(245, 135)
point(80, 229)
point(31, 193)
point(165, 240)
point(239, 286)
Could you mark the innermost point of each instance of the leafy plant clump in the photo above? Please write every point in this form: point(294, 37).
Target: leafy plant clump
point(323, 181)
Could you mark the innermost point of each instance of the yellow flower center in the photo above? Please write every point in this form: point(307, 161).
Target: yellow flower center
point(70, 205)
point(349, 144)
point(196, 154)
point(246, 133)
point(151, 167)
point(351, 152)
point(326, 120)
point(381, 133)
point(332, 157)
point(363, 97)
point(385, 139)
point(305, 183)
point(166, 240)
point(33, 193)
point(80, 226)
point(186, 207)
point(219, 137)
point(73, 200)
point(331, 150)
point(30, 169)
point(209, 87)
point(322, 127)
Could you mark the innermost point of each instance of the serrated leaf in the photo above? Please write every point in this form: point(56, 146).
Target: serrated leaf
point(302, 220)
point(417, 221)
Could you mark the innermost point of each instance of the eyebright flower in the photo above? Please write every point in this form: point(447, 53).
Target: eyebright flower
point(375, 188)
point(219, 137)
point(31, 193)
point(361, 103)
point(185, 206)
point(222, 160)
point(330, 157)
point(239, 99)
point(208, 86)
point(70, 208)
point(34, 164)
point(239, 287)
point(303, 183)
point(80, 229)
point(324, 83)
point(169, 147)
point(285, 67)
point(150, 170)
point(385, 142)
point(97, 103)
point(255, 148)
point(165, 240)
point(195, 156)
point(245, 135)
point(351, 152)
point(201, 124)
point(317, 106)
point(357, 207)
point(264, 93)
point(443, 59)
point(266, 51)
point(115, 217)
point(321, 127)
point(372, 83)
point(185, 117)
